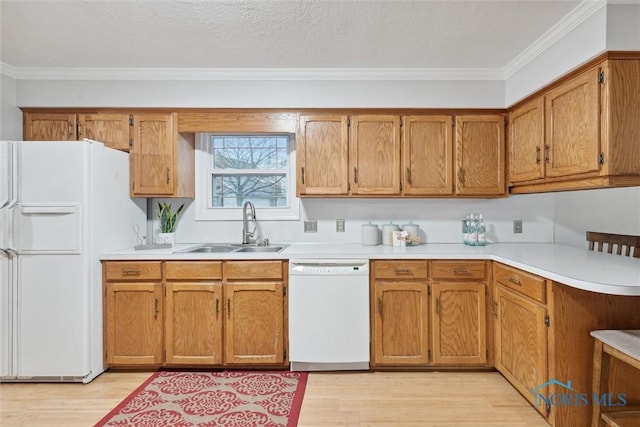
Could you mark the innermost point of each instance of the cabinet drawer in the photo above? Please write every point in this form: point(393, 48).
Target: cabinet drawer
point(400, 269)
point(147, 270)
point(458, 270)
point(520, 281)
point(253, 270)
point(194, 270)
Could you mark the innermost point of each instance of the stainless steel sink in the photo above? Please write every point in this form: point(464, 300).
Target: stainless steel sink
point(231, 247)
point(261, 249)
point(212, 249)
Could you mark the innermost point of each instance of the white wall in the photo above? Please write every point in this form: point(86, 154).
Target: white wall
point(615, 210)
point(440, 219)
point(583, 42)
point(10, 115)
point(623, 27)
point(262, 94)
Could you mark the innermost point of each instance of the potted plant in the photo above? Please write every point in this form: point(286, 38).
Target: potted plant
point(167, 222)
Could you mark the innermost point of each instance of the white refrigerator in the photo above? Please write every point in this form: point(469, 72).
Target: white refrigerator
point(62, 204)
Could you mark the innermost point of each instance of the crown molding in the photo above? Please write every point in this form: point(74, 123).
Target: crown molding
point(582, 12)
point(168, 74)
point(7, 70)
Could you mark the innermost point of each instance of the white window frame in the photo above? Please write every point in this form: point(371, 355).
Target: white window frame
point(203, 186)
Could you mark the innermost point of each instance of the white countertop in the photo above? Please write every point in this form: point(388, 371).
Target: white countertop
point(579, 268)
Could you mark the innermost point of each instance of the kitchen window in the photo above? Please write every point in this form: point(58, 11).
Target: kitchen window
point(234, 168)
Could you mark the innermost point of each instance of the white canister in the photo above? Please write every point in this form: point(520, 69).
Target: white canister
point(387, 235)
point(370, 234)
point(412, 229)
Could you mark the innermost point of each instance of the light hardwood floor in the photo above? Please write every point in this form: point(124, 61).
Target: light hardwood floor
point(331, 399)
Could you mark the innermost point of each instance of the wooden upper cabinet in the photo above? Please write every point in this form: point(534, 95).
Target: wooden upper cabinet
point(322, 155)
point(111, 129)
point(480, 155)
point(162, 162)
point(527, 150)
point(573, 125)
point(374, 158)
point(49, 127)
point(153, 155)
point(427, 155)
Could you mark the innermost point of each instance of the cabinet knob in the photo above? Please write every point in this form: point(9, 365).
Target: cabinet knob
point(408, 175)
point(537, 155)
point(302, 174)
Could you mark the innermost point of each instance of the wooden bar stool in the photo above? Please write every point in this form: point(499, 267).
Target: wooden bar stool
point(630, 243)
point(625, 346)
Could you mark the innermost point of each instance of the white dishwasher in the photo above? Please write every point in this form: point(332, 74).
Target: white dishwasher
point(328, 314)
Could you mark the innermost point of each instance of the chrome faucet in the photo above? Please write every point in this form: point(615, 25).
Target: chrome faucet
point(247, 236)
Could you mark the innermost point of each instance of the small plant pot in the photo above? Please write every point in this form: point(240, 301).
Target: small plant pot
point(167, 238)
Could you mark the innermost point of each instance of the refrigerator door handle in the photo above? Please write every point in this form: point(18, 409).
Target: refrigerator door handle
point(14, 177)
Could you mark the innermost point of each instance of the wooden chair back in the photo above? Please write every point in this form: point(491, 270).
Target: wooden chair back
point(630, 244)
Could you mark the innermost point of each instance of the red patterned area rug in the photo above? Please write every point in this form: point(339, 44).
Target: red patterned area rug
point(204, 399)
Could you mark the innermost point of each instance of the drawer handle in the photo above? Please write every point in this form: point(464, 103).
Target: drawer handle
point(460, 271)
point(402, 271)
point(514, 281)
point(131, 272)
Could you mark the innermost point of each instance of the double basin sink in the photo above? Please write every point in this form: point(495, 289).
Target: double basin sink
point(232, 247)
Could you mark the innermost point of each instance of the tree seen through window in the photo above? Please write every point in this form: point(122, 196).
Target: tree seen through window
point(249, 168)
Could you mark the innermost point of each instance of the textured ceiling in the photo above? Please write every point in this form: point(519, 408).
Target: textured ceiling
point(273, 34)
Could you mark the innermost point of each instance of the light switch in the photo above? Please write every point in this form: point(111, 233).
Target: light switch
point(311, 226)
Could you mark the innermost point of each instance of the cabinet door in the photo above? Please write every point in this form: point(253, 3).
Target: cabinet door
point(110, 129)
point(254, 325)
point(400, 324)
point(193, 324)
point(49, 127)
point(374, 159)
point(526, 142)
point(521, 343)
point(133, 322)
point(573, 126)
point(480, 155)
point(322, 152)
point(427, 155)
point(153, 155)
point(459, 323)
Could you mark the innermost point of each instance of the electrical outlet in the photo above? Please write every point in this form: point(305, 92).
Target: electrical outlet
point(340, 225)
point(517, 226)
point(311, 226)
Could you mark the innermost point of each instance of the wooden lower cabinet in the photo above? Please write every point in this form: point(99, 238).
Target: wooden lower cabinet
point(521, 344)
point(193, 324)
point(459, 323)
point(254, 325)
point(400, 324)
point(133, 323)
point(186, 313)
